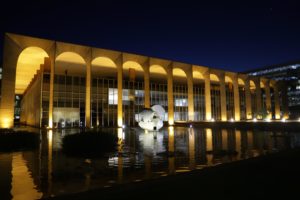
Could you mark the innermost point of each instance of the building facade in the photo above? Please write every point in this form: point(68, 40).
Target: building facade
point(67, 85)
point(288, 76)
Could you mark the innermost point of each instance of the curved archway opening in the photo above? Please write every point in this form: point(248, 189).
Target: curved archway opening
point(242, 95)
point(215, 97)
point(199, 96)
point(180, 95)
point(159, 88)
point(253, 100)
point(230, 111)
point(28, 84)
point(133, 92)
point(69, 90)
point(104, 92)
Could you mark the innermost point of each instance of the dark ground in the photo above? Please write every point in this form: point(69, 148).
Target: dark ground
point(274, 176)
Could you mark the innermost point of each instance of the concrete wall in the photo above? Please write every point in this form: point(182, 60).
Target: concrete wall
point(31, 103)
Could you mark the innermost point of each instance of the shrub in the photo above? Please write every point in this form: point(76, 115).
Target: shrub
point(90, 144)
point(11, 140)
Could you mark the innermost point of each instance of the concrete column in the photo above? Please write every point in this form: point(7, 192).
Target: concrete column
point(207, 95)
point(258, 95)
point(276, 99)
point(51, 92)
point(268, 99)
point(170, 95)
point(88, 95)
point(10, 57)
point(237, 113)
point(248, 99)
point(190, 94)
point(223, 97)
point(147, 84)
point(119, 63)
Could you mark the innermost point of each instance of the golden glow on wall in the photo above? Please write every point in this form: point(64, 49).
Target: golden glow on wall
point(241, 81)
point(157, 69)
point(213, 77)
point(6, 122)
point(179, 72)
point(252, 85)
point(262, 85)
point(197, 75)
point(28, 63)
point(70, 57)
point(104, 62)
point(133, 65)
point(228, 79)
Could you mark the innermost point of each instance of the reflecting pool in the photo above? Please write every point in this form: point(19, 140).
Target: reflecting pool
point(140, 155)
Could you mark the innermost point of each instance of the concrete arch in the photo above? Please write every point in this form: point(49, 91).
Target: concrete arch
point(179, 75)
point(252, 85)
point(82, 51)
point(28, 64)
point(71, 63)
point(198, 77)
point(104, 67)
point(133, 68)
point(241, 81)
point(214, 77)
point(228, 79)
point(158, 73)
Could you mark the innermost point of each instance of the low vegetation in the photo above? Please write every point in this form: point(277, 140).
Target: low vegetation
point(90, 144)
point(11, 140)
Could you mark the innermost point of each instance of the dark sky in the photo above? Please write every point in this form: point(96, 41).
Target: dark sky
point(233, 35)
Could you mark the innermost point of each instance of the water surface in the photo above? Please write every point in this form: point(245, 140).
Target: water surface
point(141, 155)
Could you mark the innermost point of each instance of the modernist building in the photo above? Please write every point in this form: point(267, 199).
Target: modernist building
point(287, 74)
point(62, 84)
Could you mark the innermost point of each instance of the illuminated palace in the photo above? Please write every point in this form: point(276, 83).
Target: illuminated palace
point(51, 84)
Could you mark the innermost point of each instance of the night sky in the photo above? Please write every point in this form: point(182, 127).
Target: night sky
point(231, 35)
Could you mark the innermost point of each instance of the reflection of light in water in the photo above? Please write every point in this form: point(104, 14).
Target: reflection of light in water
point(192, 148)
point(151, 145)
point(209, 145)
point(50, 142)
point(23, 186)
point(224, 139)
point(171, 139)
point(238, 142)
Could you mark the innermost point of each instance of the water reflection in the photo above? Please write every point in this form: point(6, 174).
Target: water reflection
point(140, 155)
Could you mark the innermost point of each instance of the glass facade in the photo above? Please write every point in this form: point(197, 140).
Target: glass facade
point(69, 101)
point(243, 114)
point(229, 101)
point(159, 96)
point(215, 101)
point(199, 102)
point(104, 100)
point(180, 96)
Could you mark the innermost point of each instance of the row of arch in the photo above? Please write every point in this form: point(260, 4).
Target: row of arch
point(27, 54)
point(110, 67)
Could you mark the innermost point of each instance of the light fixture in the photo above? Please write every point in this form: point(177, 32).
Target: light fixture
point(212, 119)
point(232, 120)
point(254, 120)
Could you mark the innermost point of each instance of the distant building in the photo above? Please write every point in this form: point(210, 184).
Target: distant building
point(287, 75)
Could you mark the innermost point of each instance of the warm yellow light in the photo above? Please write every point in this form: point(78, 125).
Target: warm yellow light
point(171, 121)
point(212, 119)
point(231, 120)
point(283, 120)
point(254, 120)
point(120, 122)
point(28, 63)
point(6, 122)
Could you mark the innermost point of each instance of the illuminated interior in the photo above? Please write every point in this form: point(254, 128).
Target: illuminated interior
point(28, 63)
